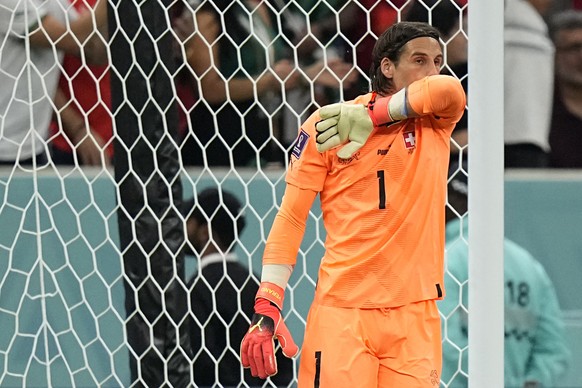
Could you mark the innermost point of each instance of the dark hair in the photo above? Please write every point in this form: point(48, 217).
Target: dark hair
point(222, 209)
point(389, 45)
point(566, 20)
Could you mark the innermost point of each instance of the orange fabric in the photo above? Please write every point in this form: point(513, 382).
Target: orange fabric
point(383, 209)
point(289, 226)
point(364, 347)
point(439, 93)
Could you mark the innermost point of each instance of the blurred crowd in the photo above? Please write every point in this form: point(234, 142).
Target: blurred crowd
point(249, 72)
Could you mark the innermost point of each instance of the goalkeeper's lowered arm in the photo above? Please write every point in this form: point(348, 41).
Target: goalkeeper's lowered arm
point(257, 347)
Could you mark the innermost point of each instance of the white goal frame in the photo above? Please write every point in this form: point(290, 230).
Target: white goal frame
point(486, 301)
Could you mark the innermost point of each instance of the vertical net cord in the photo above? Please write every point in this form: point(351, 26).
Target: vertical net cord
point(39, 260)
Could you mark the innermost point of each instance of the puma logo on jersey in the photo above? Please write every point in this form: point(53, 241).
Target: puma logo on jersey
point(383, 152)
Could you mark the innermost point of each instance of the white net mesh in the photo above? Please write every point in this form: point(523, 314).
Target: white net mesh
point(89, 247)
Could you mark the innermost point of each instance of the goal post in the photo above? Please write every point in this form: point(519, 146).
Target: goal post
point(486, 201)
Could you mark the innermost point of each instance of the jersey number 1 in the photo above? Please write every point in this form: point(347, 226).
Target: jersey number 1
point(381, 189)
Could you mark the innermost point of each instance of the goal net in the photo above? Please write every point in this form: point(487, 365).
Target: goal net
point(111, 119)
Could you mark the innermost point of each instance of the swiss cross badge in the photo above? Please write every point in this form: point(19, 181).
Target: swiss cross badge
point(409, 139)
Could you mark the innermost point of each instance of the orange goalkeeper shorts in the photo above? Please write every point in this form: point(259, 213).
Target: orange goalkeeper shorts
point(396, 347)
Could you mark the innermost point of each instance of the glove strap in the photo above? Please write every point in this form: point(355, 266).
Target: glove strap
point(271, 292)
point(378, 110)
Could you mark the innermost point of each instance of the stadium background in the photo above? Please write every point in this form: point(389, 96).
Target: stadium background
point(62, 298)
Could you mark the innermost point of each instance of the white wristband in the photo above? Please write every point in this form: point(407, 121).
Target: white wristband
point(397, 105)
point(278, 274)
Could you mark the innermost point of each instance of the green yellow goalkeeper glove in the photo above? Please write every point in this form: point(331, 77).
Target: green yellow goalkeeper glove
point(340, 123)
point(353, 123)
point(258, 345)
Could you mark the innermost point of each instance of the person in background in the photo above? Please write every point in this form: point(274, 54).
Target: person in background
point(536, 354)
point(222, 292)
point(34, 36)
point(376, 17)
point(374, 319)
point(566, 128)
point(242, 67)
point(317, 32)
point(85, 92)
point(529, 55)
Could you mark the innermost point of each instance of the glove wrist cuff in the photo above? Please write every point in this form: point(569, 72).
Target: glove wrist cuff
point(271, 292)
point(378, 110)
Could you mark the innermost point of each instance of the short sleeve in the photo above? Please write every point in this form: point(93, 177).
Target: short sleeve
point(17, 17)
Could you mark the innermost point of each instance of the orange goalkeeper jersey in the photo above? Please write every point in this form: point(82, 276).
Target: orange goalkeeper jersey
point(383, 209)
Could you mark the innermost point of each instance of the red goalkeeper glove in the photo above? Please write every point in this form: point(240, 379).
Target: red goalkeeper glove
point(258, 345)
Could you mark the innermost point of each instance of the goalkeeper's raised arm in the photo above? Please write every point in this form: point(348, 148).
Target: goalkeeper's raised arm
point(440, 96)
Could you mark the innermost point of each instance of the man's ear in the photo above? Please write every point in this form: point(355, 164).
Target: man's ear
point(387, 68)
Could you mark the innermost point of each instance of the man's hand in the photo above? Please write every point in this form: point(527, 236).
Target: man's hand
point(91, 149)
point(258, 345)
point(340, 123)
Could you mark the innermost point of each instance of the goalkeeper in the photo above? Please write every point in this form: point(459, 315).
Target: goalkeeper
point(379, 164)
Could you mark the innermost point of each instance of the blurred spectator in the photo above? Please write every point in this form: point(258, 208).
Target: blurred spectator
point(86, 88)
point(566, 128)
point(34, 36)
point(237, 54)
point(559, 6)
point(529, 85)
point(317, 30)
point(450, 18)
point(370, 24)
point(222, 293)
point(536, 354)
point(229, 125)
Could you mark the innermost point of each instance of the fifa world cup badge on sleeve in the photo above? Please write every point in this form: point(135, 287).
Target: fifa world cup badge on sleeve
point(300, 144)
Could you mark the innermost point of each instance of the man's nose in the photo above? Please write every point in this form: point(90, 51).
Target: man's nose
point(435, 69)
